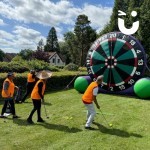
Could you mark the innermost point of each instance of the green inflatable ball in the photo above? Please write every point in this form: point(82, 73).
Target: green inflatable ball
point(81, 84)
point(142, 88)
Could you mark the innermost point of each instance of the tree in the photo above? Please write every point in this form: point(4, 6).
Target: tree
point(52, 42)
point(105, 30)
point(126, 6)
point(26, 54)
point(72, 45)
point(2, 55)
point(85, 35)
point(64, 51)
point(144, 34)
point(40, 45)
point(143, 15)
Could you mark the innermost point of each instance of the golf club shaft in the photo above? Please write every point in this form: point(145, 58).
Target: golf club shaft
point(45, 110)
point(104, 117)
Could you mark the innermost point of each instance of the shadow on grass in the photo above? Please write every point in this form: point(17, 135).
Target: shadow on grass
point(116, 132)
point(26, 102)
point(58, 127)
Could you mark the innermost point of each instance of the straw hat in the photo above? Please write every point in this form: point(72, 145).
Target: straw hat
point(45, 74)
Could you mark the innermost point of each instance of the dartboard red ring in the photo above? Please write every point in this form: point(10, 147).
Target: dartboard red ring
point(120, 58)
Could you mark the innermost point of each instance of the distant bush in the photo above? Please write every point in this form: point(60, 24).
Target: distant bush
point(82, 69)
point(19, 65)
point(41, 65)
point(13, 66)
point(71, 67)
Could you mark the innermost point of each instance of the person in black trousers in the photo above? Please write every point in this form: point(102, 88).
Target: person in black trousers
point(31, 80)
point(37, 95)
point(8, 93)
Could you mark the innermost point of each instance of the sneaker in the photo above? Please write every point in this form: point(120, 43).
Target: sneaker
point(30, 121)
point(1, 116)
point(40, 120)
point(18, 102)
point(89, 128)
point(14, 117)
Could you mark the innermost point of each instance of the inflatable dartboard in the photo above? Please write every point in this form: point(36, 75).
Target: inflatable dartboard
point(119, 57)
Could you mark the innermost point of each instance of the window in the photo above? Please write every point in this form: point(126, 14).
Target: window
point(58, 61)
point(53, 60)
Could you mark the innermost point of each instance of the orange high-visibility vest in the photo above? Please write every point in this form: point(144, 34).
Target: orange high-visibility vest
point(29, 78)
point(10, 90)
point(35, 94)
point(88, 94)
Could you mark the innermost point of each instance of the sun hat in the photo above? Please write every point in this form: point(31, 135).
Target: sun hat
point(44, 74)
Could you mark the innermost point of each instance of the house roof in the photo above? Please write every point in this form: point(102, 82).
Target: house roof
point(51, 54)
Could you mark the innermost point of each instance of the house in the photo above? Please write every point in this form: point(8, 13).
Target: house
point(56, 59)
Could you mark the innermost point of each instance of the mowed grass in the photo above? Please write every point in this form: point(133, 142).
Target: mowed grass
point(64, 130)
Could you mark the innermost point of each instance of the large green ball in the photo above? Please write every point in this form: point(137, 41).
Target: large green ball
point(81, 84)
point(142, 88)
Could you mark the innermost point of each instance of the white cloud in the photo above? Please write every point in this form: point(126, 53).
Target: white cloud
point(6, 35)
point(98, 15)
point(38, 11)
point(2, 22)
point(45, 13)
point(27, 38)
point(48, 13)
point(22, 38)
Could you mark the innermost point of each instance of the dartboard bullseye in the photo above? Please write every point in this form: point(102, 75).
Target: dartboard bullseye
point(120, 58)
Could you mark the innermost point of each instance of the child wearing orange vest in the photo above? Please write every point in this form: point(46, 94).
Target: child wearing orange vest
point(88, 98)
point(31, 80)
point(37, 95)
point(7, 93)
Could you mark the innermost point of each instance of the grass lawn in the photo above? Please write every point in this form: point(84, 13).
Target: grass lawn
point(64, 130)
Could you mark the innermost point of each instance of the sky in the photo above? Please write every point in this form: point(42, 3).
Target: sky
point(23, 23)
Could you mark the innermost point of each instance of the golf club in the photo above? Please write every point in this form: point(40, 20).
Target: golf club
point(45, 111)
point(109, 124)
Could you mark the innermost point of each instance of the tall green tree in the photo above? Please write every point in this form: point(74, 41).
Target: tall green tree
point(2, 55)
point(113, 23)
point(85, 35)
point(143, 15)
point(64, 51)
point(72, 44)
point(133, 5)
point(40, 45)
point(144, 33)
point(52, 42)
point(119, 5)
point(26, 54)
point(126, 6)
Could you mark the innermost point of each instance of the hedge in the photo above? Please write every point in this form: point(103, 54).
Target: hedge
point(58, 81)
point(23, 66)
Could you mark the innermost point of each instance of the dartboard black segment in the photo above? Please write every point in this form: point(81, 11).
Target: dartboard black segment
point(120, 58)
